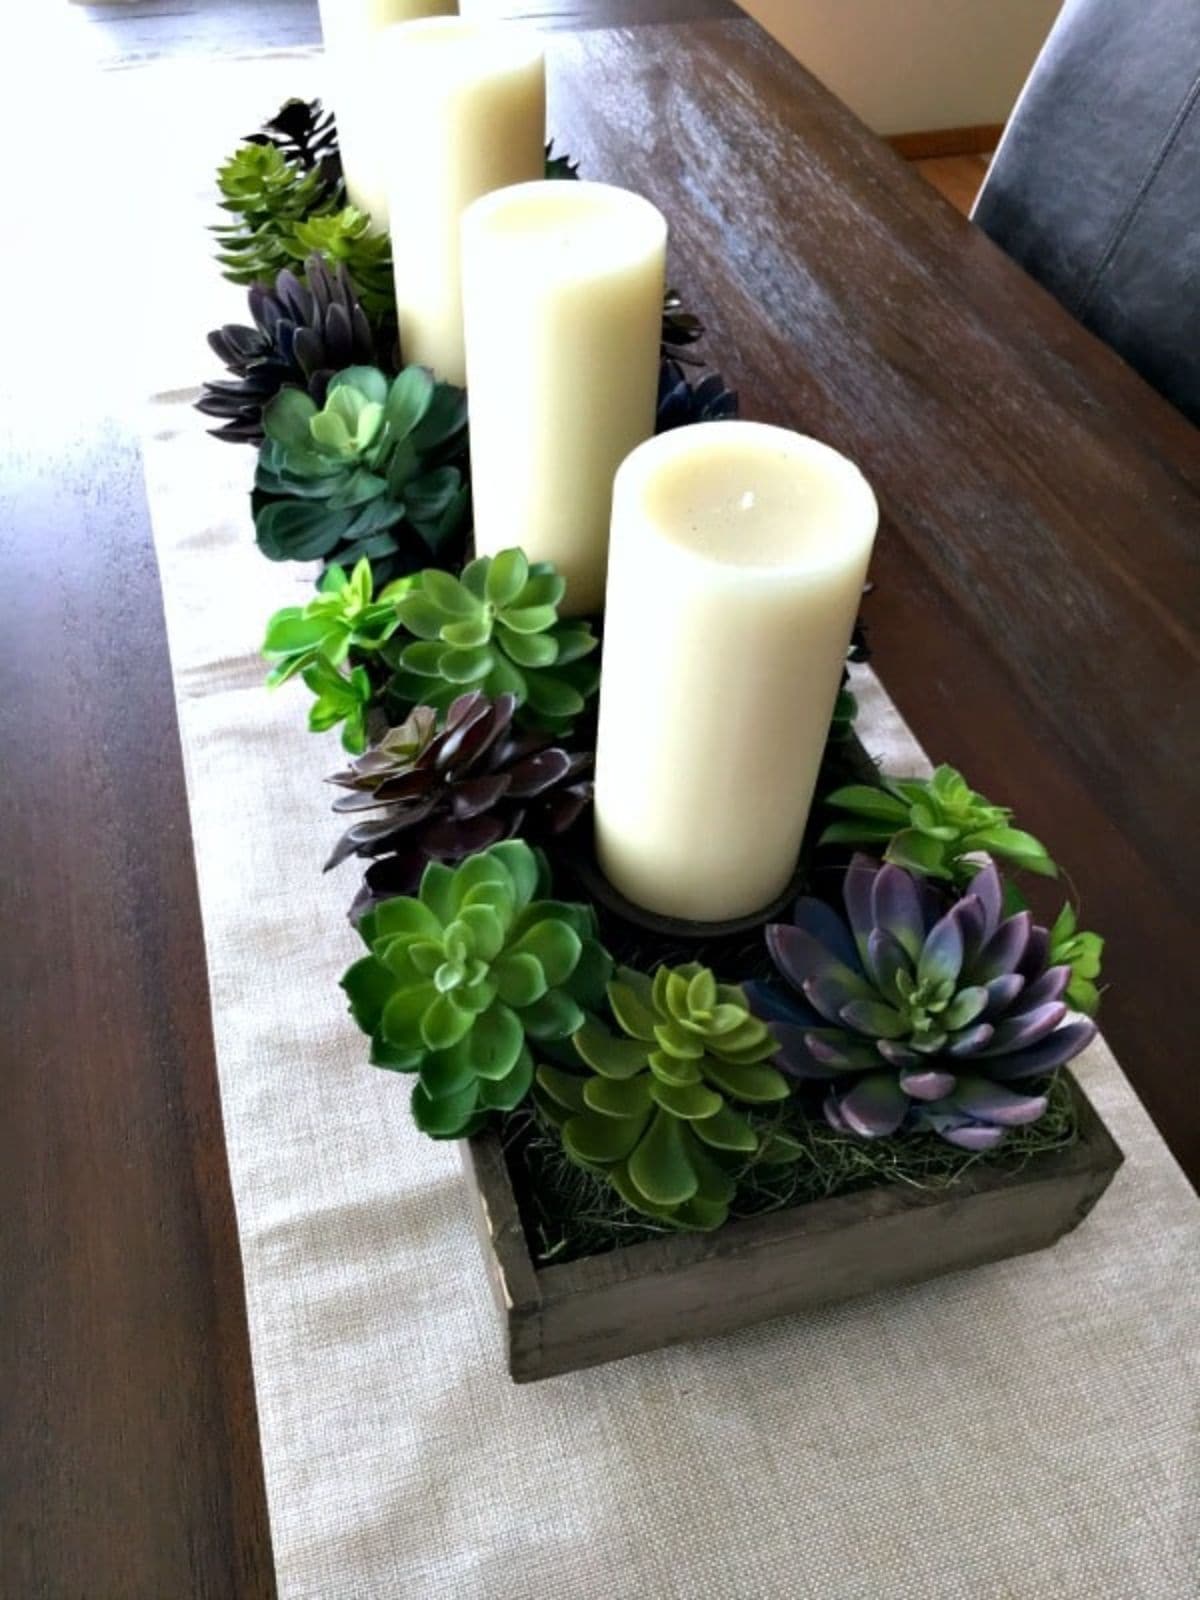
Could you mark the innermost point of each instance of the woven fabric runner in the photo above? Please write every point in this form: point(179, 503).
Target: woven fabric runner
point(1026, 1431)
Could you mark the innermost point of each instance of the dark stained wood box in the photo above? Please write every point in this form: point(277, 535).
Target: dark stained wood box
point(673, 1289)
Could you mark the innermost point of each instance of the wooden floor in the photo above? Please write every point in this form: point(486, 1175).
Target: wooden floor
point(957, 177)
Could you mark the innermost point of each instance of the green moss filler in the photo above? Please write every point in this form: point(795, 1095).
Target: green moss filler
point(569, 1212)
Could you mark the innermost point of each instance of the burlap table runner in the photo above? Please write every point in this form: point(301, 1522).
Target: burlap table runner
point(1023, 1432)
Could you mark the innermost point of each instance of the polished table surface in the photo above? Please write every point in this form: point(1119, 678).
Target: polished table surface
point(1035, 617)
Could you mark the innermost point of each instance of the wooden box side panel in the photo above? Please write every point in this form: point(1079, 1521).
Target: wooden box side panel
point(807, 1268)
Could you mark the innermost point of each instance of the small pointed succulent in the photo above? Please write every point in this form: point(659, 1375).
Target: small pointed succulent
point(933, 826)
point(266, 196)
point(344, 614)
point(458, 980)
point(681, 402)
point(1071, 946)
point(420, 795)
point(302, 334)
point(370, 473)
point(495, 628)
point(339, 699)
point(925, 1011)
point(657, 1114)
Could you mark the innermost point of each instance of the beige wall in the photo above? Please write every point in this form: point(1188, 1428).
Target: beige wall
point(908, 65)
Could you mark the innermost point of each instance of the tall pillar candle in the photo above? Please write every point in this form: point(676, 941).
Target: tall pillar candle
point(738, 556)
point(562, 302)
point(467, 114)
point(357, 93)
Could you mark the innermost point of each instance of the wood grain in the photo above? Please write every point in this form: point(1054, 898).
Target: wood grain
point(129, 1461)
point(978, 140)
point(957, 178)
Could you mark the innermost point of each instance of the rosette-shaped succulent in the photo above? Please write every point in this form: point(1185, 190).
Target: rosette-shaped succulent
point(496, 629)
point(266, 195)
point(364, 473)
point(303, 334)
point(459, 979)
point(420, 795)
point(680, 401)
point(928, 1010)
point(345, 238)
point(656, 1113)
point(933, 826)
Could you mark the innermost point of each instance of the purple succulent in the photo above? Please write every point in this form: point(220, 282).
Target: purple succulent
point(930, 1010)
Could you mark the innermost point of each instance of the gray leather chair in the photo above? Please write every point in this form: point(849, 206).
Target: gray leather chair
point(1095, 188)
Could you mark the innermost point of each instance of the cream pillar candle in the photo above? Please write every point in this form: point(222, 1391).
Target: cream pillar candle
point(738, 556)
point(357, 94)
point(562, 303)
point(467, 114)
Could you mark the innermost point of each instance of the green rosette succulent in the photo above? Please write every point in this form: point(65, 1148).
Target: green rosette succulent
point(933, 826)
point(344, 238)
point(495, 628)
point(371, 473)
point(458, 980)
point(658, 1114)
point(266, 196)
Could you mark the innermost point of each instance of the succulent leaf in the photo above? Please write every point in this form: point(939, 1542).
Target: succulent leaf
point(936, 827)
point(421, 794)
point(916, 1010)
point(494, 629)
point(327, 484)
point(435, 990)
point(657, 1103)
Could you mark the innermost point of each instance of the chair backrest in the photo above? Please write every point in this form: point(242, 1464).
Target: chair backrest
point(1095, 188)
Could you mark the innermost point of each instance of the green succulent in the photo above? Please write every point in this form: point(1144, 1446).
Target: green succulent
point(459, 979)
point(1071, 947)
point(931, 826)
point(655, 1115)
point(496, 628)
point(267, 196)
point(339, 698)
point(345, 238)
point(369, 474)
point(343, 614)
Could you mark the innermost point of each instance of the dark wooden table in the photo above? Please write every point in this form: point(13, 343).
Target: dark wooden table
point(1035, 618)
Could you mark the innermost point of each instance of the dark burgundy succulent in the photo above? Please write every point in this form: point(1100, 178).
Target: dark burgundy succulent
point(681, 401)
point(929, 1010)
point(420, 795)
point(303, 334)
point(304, 132)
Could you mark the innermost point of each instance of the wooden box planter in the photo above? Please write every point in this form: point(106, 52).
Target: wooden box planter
point(669, 1290)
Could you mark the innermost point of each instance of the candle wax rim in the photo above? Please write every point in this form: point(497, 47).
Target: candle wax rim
point(666, 456)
